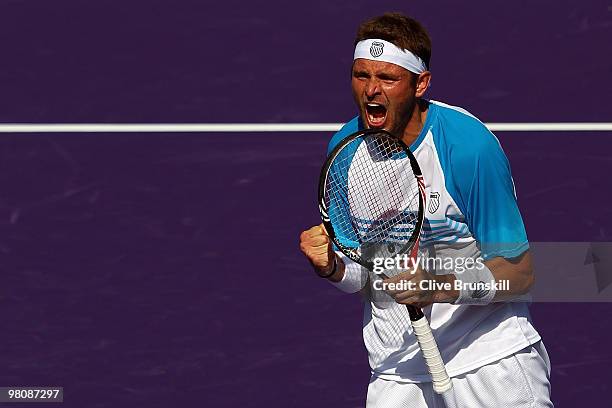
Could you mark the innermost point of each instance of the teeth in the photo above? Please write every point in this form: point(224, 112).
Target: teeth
point(376, 120)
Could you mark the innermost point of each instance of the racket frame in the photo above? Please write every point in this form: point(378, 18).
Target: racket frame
point(414, 312)
point(440, 379)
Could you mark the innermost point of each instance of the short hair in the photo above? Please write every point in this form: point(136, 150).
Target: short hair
point(399, 29)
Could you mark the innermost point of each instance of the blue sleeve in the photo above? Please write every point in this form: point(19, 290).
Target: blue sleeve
point(349, 128)
point(484, 191)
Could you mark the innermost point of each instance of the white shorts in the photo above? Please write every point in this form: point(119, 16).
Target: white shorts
point(520, 380)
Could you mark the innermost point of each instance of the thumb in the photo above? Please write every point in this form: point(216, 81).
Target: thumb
point(323, 229)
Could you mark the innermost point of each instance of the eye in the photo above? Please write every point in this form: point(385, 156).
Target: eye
point(388, 79)
point(360, 75)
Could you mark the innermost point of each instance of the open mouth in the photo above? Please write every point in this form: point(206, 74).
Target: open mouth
point(376, 114)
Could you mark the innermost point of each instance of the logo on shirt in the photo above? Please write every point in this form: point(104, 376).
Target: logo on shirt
point(376, 49)
point(434, 202)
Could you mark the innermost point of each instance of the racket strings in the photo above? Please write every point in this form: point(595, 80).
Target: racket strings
point(373, 196)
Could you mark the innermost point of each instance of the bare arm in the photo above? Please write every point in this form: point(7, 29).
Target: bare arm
point(517, 271)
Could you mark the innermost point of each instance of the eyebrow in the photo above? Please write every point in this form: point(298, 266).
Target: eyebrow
point(381, 75)
point(385, 75)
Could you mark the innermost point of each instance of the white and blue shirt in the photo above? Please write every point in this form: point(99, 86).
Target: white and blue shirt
point(471, 211)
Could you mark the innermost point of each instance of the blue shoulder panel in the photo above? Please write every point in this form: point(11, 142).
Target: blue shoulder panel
point(477, 176)
point(349, 128)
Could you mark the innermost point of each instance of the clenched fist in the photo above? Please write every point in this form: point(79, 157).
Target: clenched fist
point(317, 246)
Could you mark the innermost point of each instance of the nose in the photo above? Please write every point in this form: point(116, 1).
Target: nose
point(372, 88)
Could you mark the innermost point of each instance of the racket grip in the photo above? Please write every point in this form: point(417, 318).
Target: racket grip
point(415, 313)
point(440, 379)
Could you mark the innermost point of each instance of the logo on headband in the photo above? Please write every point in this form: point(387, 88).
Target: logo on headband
point(376, 49)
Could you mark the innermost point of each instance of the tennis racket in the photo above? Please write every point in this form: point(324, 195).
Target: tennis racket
point(371, 200)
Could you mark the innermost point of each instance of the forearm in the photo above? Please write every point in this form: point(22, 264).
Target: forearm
point(517, 272)
point(514, 276)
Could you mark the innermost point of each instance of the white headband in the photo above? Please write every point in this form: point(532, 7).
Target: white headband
point(381, 50)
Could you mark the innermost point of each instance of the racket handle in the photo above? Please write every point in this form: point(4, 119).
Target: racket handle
point(415, 313)
point(440, 379)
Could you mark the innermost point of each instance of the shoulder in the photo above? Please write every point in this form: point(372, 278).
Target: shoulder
point(347, 129)
point(462, 134)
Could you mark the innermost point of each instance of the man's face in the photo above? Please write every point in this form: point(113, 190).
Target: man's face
point(384, 93)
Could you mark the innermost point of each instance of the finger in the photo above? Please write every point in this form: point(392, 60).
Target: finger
point(404, 276)
point(315, 253)
point(417, 296)
point(406, 297)
point(320, 229)
point(416, 303)
point(321, 263)
point(319, 240)
point(397, 291)
point(315, 231)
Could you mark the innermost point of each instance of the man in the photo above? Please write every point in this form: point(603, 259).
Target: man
point(492, 351)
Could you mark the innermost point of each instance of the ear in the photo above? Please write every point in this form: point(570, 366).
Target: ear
point(422, 83)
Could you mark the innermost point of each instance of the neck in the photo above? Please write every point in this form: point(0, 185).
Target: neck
point(415, 124)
